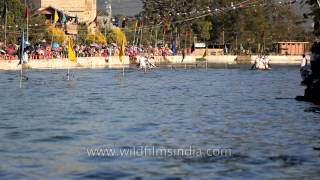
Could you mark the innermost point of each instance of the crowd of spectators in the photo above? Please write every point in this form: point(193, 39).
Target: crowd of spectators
point(44, 51)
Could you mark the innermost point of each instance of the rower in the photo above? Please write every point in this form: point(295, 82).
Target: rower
point(142, 63)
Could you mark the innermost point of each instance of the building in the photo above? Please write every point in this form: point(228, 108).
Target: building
point(85, 10)
point(292, 48)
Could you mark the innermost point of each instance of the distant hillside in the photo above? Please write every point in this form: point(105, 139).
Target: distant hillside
point(126, 7)
point(133, 7)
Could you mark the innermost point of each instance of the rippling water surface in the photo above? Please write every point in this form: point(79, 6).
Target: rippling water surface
point(47, 126)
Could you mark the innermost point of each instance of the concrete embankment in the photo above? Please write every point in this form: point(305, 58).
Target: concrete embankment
point(282, 60)
point(83, 62)
point(114, 62)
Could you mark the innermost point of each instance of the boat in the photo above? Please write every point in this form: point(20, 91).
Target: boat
point(261, 63)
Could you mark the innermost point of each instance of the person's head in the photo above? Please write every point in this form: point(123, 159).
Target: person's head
point(303, 55)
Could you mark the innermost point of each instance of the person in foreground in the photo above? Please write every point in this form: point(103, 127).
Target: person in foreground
point(312, 91)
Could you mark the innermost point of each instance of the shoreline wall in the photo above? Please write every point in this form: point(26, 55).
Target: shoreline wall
point(114, 62)
point(291, 60)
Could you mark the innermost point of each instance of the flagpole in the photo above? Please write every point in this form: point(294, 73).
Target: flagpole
point(156, 41)
point(27, 16)
point(21, 75)
point(5, 31)
point(135, 30)
point(122, 68)
point(27, 26)
point(21, 57)
point(68, 70)
point(5, 28)
point(141, 36)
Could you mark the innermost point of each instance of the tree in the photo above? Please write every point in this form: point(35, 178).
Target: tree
point(16, 22)
point(96, 37)
point(82, 33)
point(56, 34)
point(116, 35)
point(315, 14)
point(257, 22)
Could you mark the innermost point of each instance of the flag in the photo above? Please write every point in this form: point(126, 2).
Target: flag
point(56, 17)
point(136, 24)
point(21, 49)
point(174, 48)
point(165, 28)
point(64, 18)
point(71, 53)
point(4, 10)
point(122, 53)
point(26, 13)
point(142, 22)
point(187, 34)
point(175, 29)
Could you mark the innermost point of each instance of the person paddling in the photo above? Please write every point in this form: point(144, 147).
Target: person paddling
point(142, 63)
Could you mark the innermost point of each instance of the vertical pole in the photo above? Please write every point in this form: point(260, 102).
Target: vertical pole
point(122, 67)
point(190, 41)
point(237, 42)
point(135, 31)
point(68, 70)
point(110, 10)
point(21, 59)
point(141, 36)
point(105, 30)
point(223, 40)
point(156, 41)
point(163, 38)
point(108, 4)
point(264, 43)
point(21, 77)
point(5, 29)
point(27, 28)
point(137, 36)
point(223, 37)
point(52, 30)
point(206, 64)
point(27, 14)
point(206, 58)
point(171, 37)
point(185, 42)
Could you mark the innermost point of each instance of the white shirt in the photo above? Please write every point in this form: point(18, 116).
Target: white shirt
point(25, 58)
point(304, 62)
point(142, 61)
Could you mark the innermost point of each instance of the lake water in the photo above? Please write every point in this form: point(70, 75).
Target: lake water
point(48, 126)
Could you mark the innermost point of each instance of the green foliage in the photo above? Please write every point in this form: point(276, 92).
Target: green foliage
point(315, 14)
point(82, 33)
point(250, 26)
point(116, 35)
point(16, 22)
point(96, 37)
